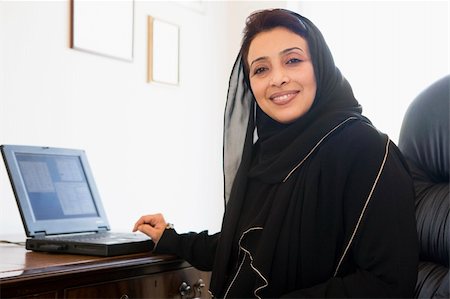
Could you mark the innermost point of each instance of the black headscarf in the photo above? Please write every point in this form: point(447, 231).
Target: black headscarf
point(281, 146)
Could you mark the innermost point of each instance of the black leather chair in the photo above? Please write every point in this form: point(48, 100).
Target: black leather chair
point(424, 141)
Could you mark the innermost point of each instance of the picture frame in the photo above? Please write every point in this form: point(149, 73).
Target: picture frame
point(163, 51)
point(103, 27)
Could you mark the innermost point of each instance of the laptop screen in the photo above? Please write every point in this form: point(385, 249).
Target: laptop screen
point(56, 186)
point(54, 189)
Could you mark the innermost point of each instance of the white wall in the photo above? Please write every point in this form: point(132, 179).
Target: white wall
point(152, 147)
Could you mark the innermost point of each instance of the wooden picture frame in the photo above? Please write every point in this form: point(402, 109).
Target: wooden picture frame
point(163, 51)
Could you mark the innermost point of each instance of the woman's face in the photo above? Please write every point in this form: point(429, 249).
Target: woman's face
point(281, 74)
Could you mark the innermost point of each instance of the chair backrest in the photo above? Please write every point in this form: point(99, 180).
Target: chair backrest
point(424, 141)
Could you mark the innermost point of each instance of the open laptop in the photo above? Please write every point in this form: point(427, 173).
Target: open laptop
point(60, 206)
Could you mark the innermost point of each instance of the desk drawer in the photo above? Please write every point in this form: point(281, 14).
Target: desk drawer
point(161, 285)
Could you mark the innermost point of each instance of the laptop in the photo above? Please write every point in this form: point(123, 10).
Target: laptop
point(60, 206)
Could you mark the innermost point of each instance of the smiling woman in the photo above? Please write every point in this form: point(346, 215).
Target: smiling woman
point(310, 183)
point(281, 74)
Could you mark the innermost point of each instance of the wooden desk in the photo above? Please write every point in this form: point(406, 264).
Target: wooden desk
point(44, 275)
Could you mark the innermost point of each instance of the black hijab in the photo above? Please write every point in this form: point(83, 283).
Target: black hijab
point(281, 146)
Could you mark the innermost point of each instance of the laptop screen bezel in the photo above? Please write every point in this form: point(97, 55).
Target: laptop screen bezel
point(34, 227)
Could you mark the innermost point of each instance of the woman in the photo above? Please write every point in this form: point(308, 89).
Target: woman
point(319, 203)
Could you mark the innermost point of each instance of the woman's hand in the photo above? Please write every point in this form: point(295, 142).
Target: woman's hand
point(151, 225)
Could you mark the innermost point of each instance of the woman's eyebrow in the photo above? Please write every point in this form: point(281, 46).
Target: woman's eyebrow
point(258, 59)
point(290, 49)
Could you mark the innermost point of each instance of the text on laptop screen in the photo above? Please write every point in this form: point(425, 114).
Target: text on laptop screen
point(56, 185)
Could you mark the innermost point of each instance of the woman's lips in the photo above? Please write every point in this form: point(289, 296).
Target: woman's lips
point(282, 98)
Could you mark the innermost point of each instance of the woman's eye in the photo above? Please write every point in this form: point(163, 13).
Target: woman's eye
point(259, 70)
point(293, 60)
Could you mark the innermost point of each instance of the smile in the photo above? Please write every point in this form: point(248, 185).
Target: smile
point(283, 98)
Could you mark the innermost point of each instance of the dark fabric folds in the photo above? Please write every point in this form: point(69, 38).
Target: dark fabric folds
point(237, 124)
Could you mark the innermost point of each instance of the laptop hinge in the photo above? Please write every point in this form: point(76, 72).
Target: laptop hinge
point(40, 234)
point(102, 229)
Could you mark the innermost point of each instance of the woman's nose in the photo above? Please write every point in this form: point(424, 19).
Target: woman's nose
point(279, 77)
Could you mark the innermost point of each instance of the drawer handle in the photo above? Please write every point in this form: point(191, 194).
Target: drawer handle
point(184, 289)
point(199, 285)
point(124, 296)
